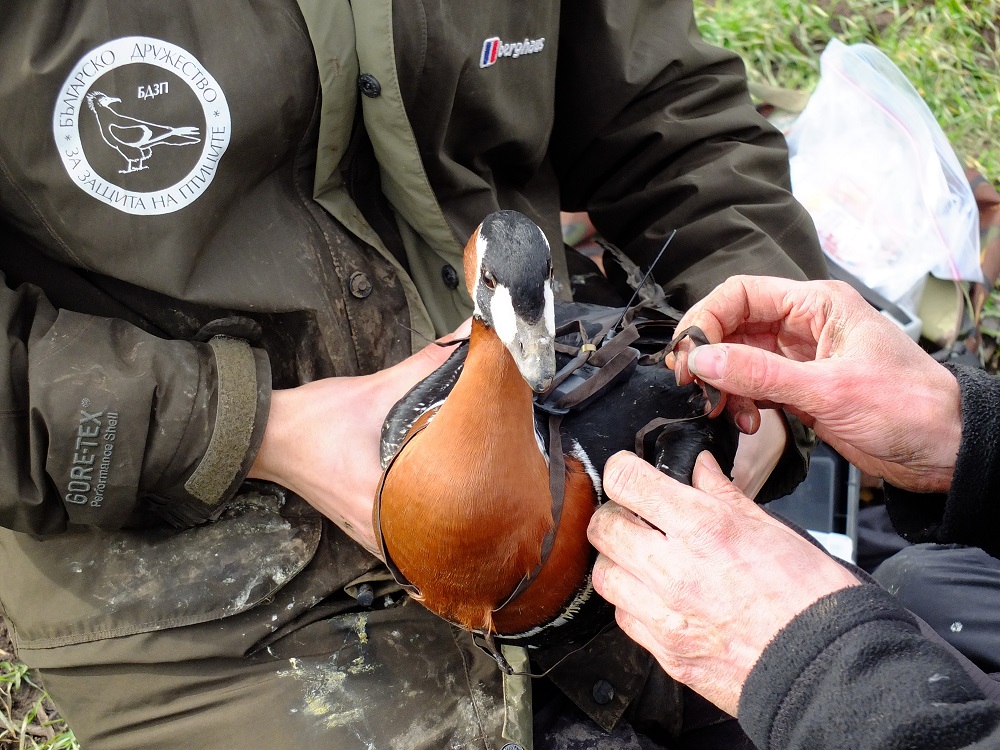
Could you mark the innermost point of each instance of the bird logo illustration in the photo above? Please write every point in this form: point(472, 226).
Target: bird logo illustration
point(134, 139)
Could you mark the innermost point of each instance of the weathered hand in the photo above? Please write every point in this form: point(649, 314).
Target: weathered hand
point(709, 580)
point(827, 356)
point(322, 439)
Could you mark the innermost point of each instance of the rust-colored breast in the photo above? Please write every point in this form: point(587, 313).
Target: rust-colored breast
point(569, 561)
point(466, 504)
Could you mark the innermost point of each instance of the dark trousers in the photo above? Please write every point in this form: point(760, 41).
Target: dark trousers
point(559, 725)
point(955, 590)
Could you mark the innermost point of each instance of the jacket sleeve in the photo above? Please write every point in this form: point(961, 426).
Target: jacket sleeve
point(106, 425)
point(656, 131)
point(855, 671)
point(969, 513)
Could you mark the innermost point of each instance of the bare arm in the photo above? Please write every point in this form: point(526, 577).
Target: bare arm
point(322, 440)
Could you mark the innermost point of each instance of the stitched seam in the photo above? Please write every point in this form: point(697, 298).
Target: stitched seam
point(155, 625)
point(70, 340)
point(794, 226)
point(438, 222)
point(38, 214)
point(314, 212)
point(468, 681)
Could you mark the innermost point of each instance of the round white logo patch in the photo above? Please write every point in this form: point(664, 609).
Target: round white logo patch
point(141, 125)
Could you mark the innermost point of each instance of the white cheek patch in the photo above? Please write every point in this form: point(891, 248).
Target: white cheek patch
point(549, 315)
point(502, 312)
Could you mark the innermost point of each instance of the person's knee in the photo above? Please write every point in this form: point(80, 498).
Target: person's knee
point(928, 572)
point(955, 590)
point(906, 568)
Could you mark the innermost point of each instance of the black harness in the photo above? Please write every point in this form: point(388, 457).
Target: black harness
point(598, 361)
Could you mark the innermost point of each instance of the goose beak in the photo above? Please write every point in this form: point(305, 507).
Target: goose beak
point(534, 353)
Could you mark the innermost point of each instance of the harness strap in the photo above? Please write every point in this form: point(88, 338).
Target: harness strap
point(557, 488)
point(713, 394)
point(487, 643)
point(397, 574)
point(606, 361)
point(612, 359)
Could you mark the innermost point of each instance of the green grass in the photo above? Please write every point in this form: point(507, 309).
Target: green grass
point(949, 50)
point(27, 718)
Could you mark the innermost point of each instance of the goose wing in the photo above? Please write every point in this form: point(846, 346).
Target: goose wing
point(424, 396)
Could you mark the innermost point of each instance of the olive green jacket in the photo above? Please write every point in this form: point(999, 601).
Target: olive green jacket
point(297, 209)
point(648, 129)
point(616, 108)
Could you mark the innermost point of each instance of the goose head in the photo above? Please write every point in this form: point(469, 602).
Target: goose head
point(508, 272)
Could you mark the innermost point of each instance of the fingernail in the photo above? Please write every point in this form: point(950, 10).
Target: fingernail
point(744, 421)
point(707, 362)
point(707, 462)
point(621, 468)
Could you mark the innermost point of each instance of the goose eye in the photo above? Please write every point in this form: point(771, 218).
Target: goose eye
point(552, 271)
point(489, 280)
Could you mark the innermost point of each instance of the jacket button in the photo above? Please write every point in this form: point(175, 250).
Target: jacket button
point(361, 287)
point(604, 692)
point(450, 276)
point(369, 85)
point(366, 595)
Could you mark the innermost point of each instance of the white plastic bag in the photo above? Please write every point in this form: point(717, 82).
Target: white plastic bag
point(874, 169)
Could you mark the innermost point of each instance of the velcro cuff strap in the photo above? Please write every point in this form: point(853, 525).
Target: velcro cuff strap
point(234, 420)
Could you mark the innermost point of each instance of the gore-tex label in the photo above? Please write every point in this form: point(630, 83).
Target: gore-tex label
point(93, 448)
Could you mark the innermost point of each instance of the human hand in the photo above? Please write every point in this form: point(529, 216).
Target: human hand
point(322, 439)
point(708, 580)
point(821, 351)
point(759, 452)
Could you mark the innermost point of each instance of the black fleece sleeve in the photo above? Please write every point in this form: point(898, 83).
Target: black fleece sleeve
point(854, 672)
point(970, 512)
point(106, 425)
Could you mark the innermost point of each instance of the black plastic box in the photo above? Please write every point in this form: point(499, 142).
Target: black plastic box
point(827, 499)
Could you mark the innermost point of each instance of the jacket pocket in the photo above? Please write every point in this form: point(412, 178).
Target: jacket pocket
point(87, 584)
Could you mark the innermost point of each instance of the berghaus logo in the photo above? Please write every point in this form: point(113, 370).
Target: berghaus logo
point(494, 48)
